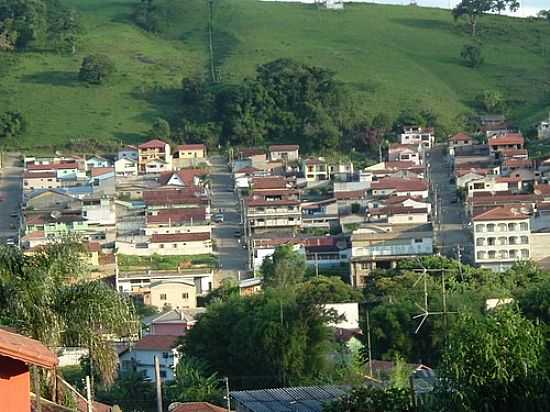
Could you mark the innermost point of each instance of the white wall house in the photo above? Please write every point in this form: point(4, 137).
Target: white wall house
point(501, 237)
point(126, 167)
point(141, 356)
point(168, 245)
point(423, 136)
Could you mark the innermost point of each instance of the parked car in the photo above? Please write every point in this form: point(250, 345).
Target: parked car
point(218, 218)
point(237, 233)
point(14, 214)
point(10, 241)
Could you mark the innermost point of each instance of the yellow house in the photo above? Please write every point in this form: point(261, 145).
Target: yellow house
point(172, 293)
point(192, 151)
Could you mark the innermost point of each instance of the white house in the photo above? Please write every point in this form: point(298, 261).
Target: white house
point(349, 313)
point(97, 161)
point(167, 245)
point(126, 167)
point(423, 136)
point(501, 237)
point(141, 356)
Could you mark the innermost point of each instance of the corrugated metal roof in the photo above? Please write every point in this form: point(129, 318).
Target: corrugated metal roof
point(298, 399)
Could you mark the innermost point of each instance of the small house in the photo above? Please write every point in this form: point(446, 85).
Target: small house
point(284, 152)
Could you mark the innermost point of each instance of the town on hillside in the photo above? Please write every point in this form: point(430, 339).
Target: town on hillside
point(168, 225)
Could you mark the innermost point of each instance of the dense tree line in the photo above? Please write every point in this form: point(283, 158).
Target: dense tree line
point(288, 102)
point(49, 23)
point(277, 337)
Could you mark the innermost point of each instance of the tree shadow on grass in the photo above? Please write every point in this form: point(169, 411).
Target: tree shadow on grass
point(164, 101)
point(428, 24)
point(53, 78)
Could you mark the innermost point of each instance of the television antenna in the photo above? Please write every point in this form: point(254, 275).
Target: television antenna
point(425, 311)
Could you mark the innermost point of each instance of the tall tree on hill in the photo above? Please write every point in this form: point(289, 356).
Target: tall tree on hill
point(474, 9)
point(27, 18)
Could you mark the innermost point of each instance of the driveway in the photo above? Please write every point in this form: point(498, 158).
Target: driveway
point(449, 227)
point(233, 258)
point(10, 192)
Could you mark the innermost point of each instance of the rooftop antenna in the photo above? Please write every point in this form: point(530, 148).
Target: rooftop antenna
point(425, 309)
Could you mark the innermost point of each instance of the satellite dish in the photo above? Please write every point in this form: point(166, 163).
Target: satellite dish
point(55, 214)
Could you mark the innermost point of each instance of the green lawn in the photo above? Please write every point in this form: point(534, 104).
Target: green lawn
point(157, 262)
point(393, 57)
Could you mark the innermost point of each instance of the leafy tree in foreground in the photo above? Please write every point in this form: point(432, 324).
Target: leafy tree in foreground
point(494, 363)
point(371, 399)
point(194, 384)
point(471, 54)
point(96, 68)
point(12, 124)
point(285, 268)
point(45, 296)
point(474, 9)
point(131, 391)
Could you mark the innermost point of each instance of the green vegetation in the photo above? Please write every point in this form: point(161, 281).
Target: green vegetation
point(471, 54)
point(157, 262)
point(380, 52)
point(95, 69)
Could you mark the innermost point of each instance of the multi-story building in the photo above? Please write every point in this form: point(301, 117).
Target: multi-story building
point(381, 246)
point(40, 180)
point(390, 186)
point(154, 156)
point(174, 294)
point(505, 141)
point(167, 244)
point(501, 237)
point(264, 213)
point(315, 170)
point(418, 135)
point(405, 153)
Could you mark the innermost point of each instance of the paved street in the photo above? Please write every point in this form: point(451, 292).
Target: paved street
point(233, 258)
point(450, 229)
point(10, 193)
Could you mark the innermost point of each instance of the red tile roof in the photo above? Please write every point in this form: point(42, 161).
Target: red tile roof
point(506, 139)
point(314, 161)
point(502, 213)
point(180, 237)
point(99, 171)
point(251, 151)
point(197, 407)
point(397, 210)
point(518, 163)
point(399, 165)
point(397, 147)
point(177, 216)
point(26, 349)
point(542, 189)
point(157, 342)
point(400, 185)
point(283, 147)
point(153, 144)
point(173, 197)
point(248, 170)
point(514, 152)
point(187, 176)
point(392, 200)
point(269, 182)
point(198, 146)
point(39, 175)
point(53, 166)
point(351, 194)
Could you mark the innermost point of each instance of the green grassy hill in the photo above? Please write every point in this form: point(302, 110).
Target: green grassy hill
point(394, 57)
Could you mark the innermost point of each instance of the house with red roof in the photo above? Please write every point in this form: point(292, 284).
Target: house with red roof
point(40, 180)
point(154, 156)
point(141, 355)
point(17, 354)
point(505, 141)
point(196, 407)
point(189, 177)
point(501, 237)
point(167, 244)
point(460, 139)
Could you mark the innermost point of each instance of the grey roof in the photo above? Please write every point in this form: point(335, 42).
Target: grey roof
point(299, 399)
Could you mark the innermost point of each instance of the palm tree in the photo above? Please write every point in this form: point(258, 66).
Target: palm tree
point(47, 296)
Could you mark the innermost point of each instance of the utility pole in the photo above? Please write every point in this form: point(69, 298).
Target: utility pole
point(89, 403)
point(158, 384)
point(459, 258)
point(369, 343)
point(36, 384)
point(226, 380)
point(317, 264)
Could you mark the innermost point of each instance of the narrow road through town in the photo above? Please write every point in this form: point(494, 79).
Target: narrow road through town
point(11, 196)
point(233, 257)
point(449, 227)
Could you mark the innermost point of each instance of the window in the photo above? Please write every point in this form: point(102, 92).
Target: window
point(503, 254)
point(524, 253)
point(502, 227)
point(512, 227)
point(523, 227)
point(492, 254)
point(480, 241)
point(480, 228)
point(161, 245)
point(417, 240)
point(481, 255)
point(163, 374)
point(175, 245)
point(165, 355)
point(524, 240)
point(491, 241)
point(491, 227)
point(502, 241)
point(185, 295)
point(513, 254)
